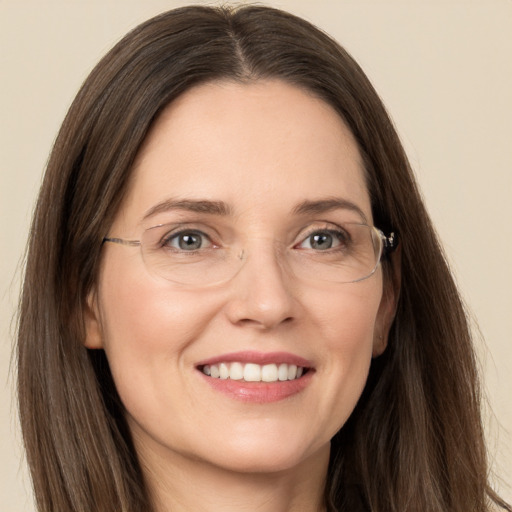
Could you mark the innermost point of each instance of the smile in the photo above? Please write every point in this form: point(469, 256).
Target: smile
point(251, 372)
point(257, 377)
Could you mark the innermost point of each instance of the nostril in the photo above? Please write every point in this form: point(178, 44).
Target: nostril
point(261, 297)
point(262, 323)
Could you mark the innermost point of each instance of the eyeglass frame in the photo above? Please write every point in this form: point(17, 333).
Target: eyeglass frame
point(389, 245)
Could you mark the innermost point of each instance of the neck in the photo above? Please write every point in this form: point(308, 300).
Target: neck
point(179, 484)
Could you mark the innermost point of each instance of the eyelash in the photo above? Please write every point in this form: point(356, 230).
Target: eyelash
point(169, 237)
point(340, 235)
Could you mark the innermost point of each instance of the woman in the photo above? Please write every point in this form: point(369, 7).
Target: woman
point(234, 298)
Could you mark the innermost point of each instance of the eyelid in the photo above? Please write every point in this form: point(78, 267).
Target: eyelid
point(323, 225)
point(217, 223)
point(166, 239)
point(170, 228)
point(185, 229)
point(162, 233)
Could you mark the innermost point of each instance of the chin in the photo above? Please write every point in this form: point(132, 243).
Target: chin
point(266, 454)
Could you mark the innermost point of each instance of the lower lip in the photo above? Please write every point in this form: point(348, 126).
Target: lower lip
point(259, 392)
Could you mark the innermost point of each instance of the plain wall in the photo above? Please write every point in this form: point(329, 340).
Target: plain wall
point(442, 67)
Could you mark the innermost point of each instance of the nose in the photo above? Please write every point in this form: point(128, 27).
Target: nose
point(262, 294)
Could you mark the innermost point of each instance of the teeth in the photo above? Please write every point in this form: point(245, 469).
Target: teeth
point(269, 373)
point(251, 372)
point(236, 371)
point(282, 372)
point(223, 370)
point(292, 372)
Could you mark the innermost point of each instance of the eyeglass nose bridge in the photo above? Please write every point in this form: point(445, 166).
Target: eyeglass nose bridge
point(259, 251)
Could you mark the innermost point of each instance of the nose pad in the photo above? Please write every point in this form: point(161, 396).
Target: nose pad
point(262, 290)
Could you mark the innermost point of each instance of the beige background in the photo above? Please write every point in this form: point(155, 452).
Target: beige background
point(443, 68)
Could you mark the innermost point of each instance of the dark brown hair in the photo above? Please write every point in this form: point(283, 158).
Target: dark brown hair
point(414, 441)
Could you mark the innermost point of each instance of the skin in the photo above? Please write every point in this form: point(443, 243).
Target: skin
point(262, 148)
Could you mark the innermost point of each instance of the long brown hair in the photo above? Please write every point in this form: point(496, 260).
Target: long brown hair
point(414, 441)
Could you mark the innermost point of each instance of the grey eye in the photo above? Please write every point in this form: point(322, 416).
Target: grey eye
point(187, 241)
point(322, 240)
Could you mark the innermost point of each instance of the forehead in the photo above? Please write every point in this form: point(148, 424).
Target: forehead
point(255, 145)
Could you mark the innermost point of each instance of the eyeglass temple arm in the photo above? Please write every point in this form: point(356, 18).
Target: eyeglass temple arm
point(121, 241)
point(390, 242)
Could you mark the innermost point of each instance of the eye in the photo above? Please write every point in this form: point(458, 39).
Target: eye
point(323, 240)
point(189, 240)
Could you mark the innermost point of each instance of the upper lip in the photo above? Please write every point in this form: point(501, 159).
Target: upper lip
point(260, 358)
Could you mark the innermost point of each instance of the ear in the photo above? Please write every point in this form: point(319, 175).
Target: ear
point(388, 303)
point(93, 331)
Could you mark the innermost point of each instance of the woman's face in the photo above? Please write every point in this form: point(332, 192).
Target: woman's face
point(249, 165)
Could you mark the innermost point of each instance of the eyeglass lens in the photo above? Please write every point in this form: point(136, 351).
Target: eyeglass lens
point(189, 258)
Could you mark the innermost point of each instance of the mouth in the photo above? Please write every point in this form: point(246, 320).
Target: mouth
point(257, 377)
point(252, 372)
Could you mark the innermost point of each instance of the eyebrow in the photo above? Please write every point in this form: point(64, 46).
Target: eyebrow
point(223, 209)
point(191, 205)
point(327, 205)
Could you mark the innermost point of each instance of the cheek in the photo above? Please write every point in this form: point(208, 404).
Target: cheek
point(139, 308)
point(346, 318)
point(133, 315)
point(146, 329)
point(347, 326)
